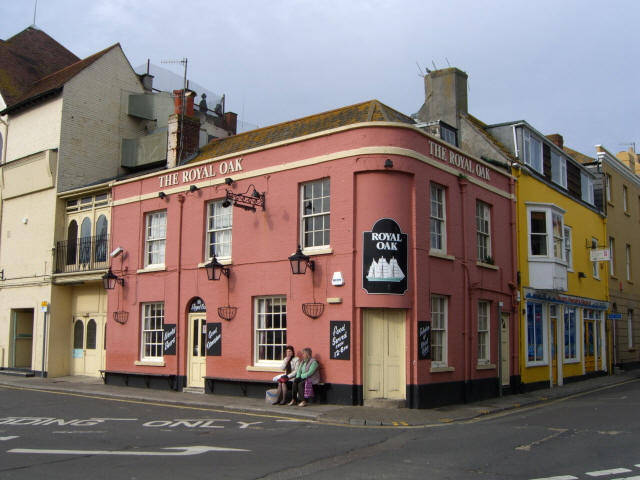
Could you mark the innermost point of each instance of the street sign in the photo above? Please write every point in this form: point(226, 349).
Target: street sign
point(614, 316)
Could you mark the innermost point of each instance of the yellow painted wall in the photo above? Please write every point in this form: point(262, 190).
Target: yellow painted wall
point(585, 224)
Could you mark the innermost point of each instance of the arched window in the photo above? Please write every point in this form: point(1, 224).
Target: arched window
point(101, 239)
point(85, 240)
point(72, 242)
point(91, 335)
point(78, 334)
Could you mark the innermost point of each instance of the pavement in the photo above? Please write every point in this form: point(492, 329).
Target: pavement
point(322, 413)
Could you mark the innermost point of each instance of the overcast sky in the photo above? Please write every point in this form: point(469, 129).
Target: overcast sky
point(565, 66)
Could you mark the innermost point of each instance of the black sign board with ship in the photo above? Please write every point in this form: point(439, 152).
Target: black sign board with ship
point(384, 258)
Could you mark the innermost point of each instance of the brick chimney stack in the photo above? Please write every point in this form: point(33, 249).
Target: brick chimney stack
point(557, 140)
point(231, 122)
point(185, 128)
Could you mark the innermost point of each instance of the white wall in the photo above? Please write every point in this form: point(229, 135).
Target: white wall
point(34, 130)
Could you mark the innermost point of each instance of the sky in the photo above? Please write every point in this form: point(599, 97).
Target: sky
point(565, 66)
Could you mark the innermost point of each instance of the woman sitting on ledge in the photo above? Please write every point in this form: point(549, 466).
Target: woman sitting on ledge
point(307, 376)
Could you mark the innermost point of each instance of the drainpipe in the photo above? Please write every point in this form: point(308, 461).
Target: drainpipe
point(466, 303)
point(44, 341)
point(178, 310)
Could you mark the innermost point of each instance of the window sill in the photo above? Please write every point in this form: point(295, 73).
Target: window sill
point(152, 268)
point(317, 250)
point(442, 369)
point(569, 361)
point(630, 282)
point(149, 363)
point(222, 260)
point(537, 364)
point(613, 277)
point(438, 254)
point(263, 368)
point(490, 266)
point(485, 366)
point(627, 214)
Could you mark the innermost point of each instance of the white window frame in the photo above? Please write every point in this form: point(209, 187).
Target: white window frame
point(543, 336)
point(558, 169)
point(155, 236)
point(608, 187)
point(437, 217)
point(314, 209)
point(484, 329)
point(630, 328)
point(483, 232)
point(628, 261)
point(594, 265)
point(263, 312)
point(439, 322)
point(625, 199)
point(152, 334)
point(532, 151)
point(568, 247)
point(612, 257)
point(219, 224)
point(586, 188)
point(553, 237)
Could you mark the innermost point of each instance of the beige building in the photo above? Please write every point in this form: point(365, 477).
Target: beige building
point(69, 128)
point(620, 197)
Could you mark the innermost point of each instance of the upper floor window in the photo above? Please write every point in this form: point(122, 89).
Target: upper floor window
point(315, 210)
point(219, 223)
point(570, 334)
point(155, 238)
point(612, 257)
point(586, 184)
point(568, 252)
point(483, 231)
point(437, 219)
point(546, 234)
point(448, 134)
point(594, 265)
point(87, 203)
point(532, 151)
point(558, 169)
point(625, 199)
point(608, 187)
point(628, 261)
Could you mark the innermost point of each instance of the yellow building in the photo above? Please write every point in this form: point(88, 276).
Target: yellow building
point(563, 260)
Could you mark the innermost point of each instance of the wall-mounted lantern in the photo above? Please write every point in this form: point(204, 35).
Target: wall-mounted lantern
point(215, 269)
point(299, 262)
point(110, 279)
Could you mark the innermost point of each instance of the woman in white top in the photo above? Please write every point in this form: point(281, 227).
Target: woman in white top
point(290, 364)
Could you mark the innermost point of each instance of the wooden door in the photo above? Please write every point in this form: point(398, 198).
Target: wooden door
point(589, 346)
point(87, 350)
point(197, 352)
point(384, 354)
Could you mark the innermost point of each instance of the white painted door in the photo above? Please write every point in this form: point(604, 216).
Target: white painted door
point(384, 354)
point(197, 353)
point(87, 351)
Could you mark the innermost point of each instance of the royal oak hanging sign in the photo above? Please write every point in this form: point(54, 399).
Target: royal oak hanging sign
point(384, 258)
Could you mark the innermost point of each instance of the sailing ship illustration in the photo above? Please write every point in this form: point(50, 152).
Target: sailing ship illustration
point(383, 271)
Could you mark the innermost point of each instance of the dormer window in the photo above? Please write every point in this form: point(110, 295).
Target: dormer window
point(586, 184)
point(532, 151)
point(558, 169)
point(449, 134)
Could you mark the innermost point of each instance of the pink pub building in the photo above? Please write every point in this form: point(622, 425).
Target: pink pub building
point(386, 250)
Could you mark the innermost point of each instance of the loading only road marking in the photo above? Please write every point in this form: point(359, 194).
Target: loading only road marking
point(167, 451)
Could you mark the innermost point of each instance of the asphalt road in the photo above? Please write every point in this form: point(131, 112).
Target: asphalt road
point(60, 435)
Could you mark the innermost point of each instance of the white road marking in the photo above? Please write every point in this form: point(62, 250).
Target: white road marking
point(611, 471)
point(527, 447)
point(79, 431)
point(117, 419)
point(637, 477)
point(561, 477)
point(178, 451)
point(11, 437)
point(292, 420)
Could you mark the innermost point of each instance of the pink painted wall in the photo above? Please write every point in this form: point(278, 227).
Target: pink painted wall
point(362, 191)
